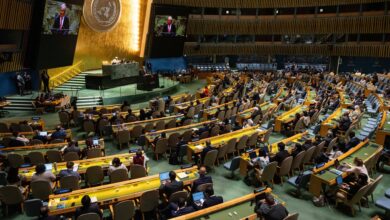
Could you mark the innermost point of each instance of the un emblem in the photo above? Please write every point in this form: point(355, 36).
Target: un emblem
point(102, 15)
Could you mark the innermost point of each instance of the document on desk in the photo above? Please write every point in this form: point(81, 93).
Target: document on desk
point(75, 167)
point(199, 147)
point(93, 199)
point(182, 175)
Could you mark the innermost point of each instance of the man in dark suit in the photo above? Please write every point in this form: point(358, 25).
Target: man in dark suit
point(281, 155)
point(208, 148)
point(211, 199)
point(181, 208)
point(353, 141)
point(203, 179)
point(87, 207)
point(171, 186)
point(61, 22)
point(169, 28)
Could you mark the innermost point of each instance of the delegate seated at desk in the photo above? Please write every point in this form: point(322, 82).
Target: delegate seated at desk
point(203, 179)
point(210, 198)
point(269, 209)
point(171, 186)
point(69, 171)
point(87, 207)
point(281, 155)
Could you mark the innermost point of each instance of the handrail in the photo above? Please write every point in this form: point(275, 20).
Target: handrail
point(69, 72)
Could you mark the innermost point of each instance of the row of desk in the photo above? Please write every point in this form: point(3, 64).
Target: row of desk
point(332, 121)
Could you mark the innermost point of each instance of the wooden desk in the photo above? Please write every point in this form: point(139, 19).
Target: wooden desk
point(280, 95)
point(104, 162)
point(210, 112)
point(288, 116)
point(264, 107)
point(332, 121)
point(383, 129)
point(113, 193)
point(43, 148)
point(185, 105)
point(218, 141)
point(34, 124)
point(150, 136)
point(31, 134)
point(129, 126)
point(323, 177)
point(245, 161)
point(311, 95)
point(242, 206)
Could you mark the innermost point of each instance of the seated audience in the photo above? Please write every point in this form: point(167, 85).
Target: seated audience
point(348, 190)
point(281, 155)
point(210, 198)
point(203, 179)
point(353, 141)
point(116, 165)
point(268, 209)
point(181, 208)
point(18, 140)
point(37, 136)
point(42, 175)
point(358, 167)
point(171, 186)
point(59, 133)
point(208, 148)
point(69, 171)
point(87, 207)
point(139, 158)
point(72, 147)
point(15, 179)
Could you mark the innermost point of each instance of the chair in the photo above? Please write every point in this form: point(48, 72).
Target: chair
point(15, 160)
point(371, 189)
point(305, 178)
point(71, 156)
point(214, 131)
point(149, 127)
point(268, 173)
point(160, 125)
point(231, 146)
point(89, 127)
point(136, 132)
point(318, 150)
point(332, 143)
point(94, 175)
point(297, 162)
point(103, 123)
point(3, 178)
point(32, 207)
point(10, 195)
point(252, 140)
point(293, 216)
point(123, 210)
point(89, 216)
point(187, 122)
point(148, 202)
point(171, 124)
point(119, 175)
point(36, 142)
point(355, 199)
point(187, 135)
point(173, 140)
point(308, 156)
point(161, 147)
point(177, 195)
point(384, 203)
point(41, 190)
point(69, 182)
point(232, 166)
point(285, 168)
point(94, 153)
point(203, 187)
point(221, 115)
point(137, 171)
point(241, 144)
point(25, 128)
point(123, 137)
point(222, 153)
point(210, 158)
point(64, 118)
point(299, 126)
point(36, 158)
point(203, 135)
point(3, 127)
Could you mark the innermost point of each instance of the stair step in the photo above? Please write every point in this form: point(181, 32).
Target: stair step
point(73, 83)
point(77, 80)
point(8, 108)
point(89, 97)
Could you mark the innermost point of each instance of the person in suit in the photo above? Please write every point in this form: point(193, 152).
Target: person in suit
point(69, 171)
point(171, 186)
point(211, 199)
point(353, 141)
point(208, 148)
point(169, 28)
point(87, 207)
point(61, 22)
point(281, 155)
point(203, 179)
point(45, 79)
point(60, 133)
point(270, 210)
point(72, 147)
point(181, 208)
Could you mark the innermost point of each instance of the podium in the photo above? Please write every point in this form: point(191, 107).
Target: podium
point(148, 82)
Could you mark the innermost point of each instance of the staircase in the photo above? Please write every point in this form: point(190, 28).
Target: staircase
point(20, 103)
point(91, 101)
point(74, 84)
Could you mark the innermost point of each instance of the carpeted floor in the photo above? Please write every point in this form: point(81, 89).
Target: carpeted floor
point(230, 189)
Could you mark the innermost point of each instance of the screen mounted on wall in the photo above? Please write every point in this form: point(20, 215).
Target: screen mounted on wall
point(170, 26)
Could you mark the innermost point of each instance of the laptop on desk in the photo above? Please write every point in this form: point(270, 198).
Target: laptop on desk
point(198, 198)
point(164, 177)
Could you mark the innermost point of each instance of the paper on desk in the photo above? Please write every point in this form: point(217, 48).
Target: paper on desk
point(62, 149)
point(93, 199)
point(75, 167)
point(199, 147)
point(182, 175)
